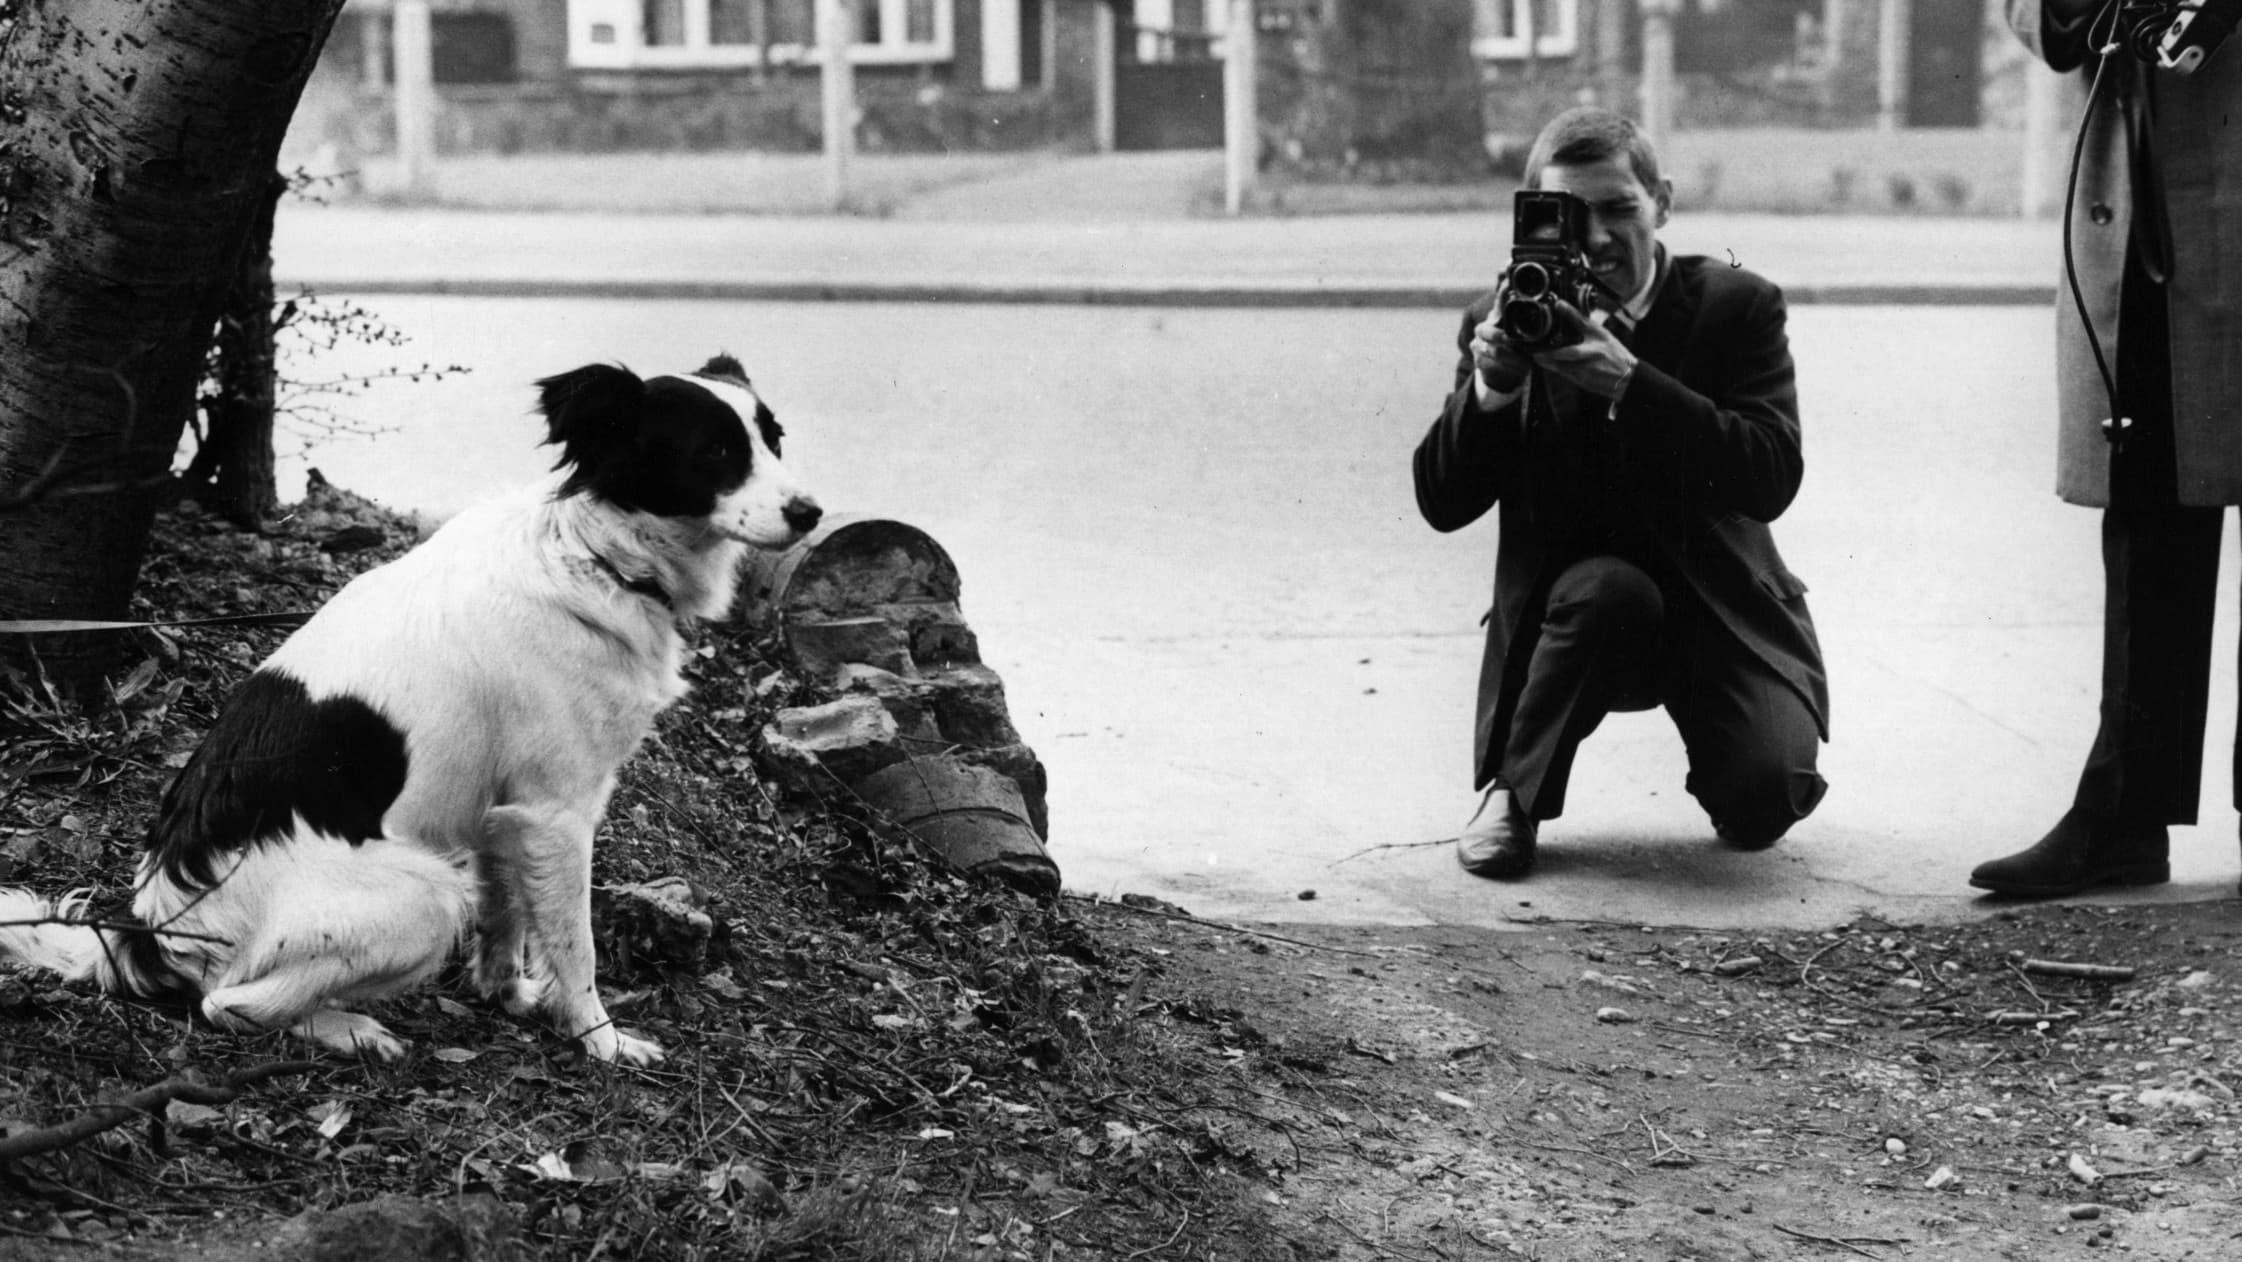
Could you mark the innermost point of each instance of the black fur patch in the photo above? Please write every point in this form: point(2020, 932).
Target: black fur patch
point(669, 446)
point(273, 755)
point(768, 424)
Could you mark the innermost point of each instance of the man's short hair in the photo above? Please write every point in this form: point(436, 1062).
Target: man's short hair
point(1589, 134)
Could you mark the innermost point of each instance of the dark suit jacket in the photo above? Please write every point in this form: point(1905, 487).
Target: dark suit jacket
point(1709, 443)
point(2196, 135)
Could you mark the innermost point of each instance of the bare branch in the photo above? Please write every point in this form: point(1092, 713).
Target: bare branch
point(142, 1103)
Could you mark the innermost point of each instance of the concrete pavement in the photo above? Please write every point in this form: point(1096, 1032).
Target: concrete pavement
point(1113, 231)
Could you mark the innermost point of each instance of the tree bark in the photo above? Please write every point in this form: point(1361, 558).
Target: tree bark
point(137, 139)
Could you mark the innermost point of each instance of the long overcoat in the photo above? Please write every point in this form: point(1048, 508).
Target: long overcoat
point(2196, 136)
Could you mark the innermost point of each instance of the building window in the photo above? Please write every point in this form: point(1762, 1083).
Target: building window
point(1504, 30)
point(732, 21)
point(714, 34)
point(664, 22)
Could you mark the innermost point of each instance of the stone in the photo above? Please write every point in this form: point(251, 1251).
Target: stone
point(663, 924)
point(473, 1228)
point(811, 747)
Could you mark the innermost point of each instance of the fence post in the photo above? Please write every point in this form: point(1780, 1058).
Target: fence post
point(1241, 131)
point(1658, 68)
point(836, 30)
point(1103, 50)
point(1891, 65)
point(414, 97)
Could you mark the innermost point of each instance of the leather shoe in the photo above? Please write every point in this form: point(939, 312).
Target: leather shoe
point(1499, 840)
point(2082, 852)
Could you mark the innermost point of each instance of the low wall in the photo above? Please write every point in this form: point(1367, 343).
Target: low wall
point(687, 115)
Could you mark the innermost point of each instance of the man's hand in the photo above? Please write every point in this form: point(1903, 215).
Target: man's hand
point(1597, 363)
point(1502, 366)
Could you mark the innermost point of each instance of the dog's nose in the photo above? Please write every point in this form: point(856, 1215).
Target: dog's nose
point(802, 514)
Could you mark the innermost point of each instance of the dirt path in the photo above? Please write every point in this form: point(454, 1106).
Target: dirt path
point(1605, 1092)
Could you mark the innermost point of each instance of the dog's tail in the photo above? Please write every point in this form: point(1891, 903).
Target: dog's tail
point(119, 953)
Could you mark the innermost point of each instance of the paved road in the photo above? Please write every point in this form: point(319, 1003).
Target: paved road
point(1189, 546)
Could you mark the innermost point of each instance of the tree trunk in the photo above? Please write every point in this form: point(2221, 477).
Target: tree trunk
point(233, 473)
point(137, 140)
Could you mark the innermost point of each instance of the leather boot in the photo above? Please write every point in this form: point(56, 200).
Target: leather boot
point(2082, 852)
point(1499, 840)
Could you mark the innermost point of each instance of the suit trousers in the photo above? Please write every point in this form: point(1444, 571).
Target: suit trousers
point(2160, 567)
point(1611, 641)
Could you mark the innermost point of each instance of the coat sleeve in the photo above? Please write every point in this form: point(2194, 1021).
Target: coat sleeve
point(1734, 434)
point(1469, 454)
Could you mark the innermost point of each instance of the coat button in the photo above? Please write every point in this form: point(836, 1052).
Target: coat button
point(2101, 213)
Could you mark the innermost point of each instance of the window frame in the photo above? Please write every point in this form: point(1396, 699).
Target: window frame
point(628, 50)
point(1562, 39)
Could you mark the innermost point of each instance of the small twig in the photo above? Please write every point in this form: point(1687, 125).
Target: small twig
point(1187, 918)
point(1165, 1243)
point(1391, 845)
point(1366, 1241)
point(104, 1116)
point(24, 1233)
point(1840, 1243)
point(116, 926)
point(2011, 1016)
point(1583, 1152)
point(2091, 972)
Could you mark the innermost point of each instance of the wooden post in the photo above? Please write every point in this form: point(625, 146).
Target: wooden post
point(414, 95)
point(1103, 49)
point(1891, 65)
point(1610, 18)
point(1241, 131)
point(1835, 42)
point(1658, 69)
point(836, 31)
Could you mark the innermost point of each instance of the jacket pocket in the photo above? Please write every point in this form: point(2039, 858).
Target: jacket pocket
point(1782, 584)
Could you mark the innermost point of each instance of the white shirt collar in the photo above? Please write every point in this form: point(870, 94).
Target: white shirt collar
point(1638, 304)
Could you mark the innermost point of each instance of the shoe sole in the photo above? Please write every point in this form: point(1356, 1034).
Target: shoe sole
point(1510, 870)
point(2121, 877)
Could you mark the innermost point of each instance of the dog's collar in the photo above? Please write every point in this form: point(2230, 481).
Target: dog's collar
point(646, 587)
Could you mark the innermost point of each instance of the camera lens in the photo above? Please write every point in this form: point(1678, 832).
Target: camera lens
point(1529, 280)
point(1530, 323)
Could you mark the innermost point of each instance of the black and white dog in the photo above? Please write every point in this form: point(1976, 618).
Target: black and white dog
point(425, 761)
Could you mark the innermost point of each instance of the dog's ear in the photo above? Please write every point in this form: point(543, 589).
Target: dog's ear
point(588, 409)
point(724, 365)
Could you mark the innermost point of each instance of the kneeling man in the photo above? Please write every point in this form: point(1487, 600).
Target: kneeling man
point(1637, 453)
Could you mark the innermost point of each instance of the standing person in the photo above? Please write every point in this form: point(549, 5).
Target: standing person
point(1636, 470)
point(2158, 260)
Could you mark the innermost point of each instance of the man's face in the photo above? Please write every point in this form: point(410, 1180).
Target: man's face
point(1623, 218)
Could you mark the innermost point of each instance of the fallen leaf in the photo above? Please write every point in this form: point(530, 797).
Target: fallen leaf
point(181, 1113)
point(338, 1116)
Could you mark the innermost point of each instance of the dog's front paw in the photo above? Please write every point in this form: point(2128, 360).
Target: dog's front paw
point(352, 1034)
point(610, 1044)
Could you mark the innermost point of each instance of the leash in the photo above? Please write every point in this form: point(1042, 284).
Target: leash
point(62, 626)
